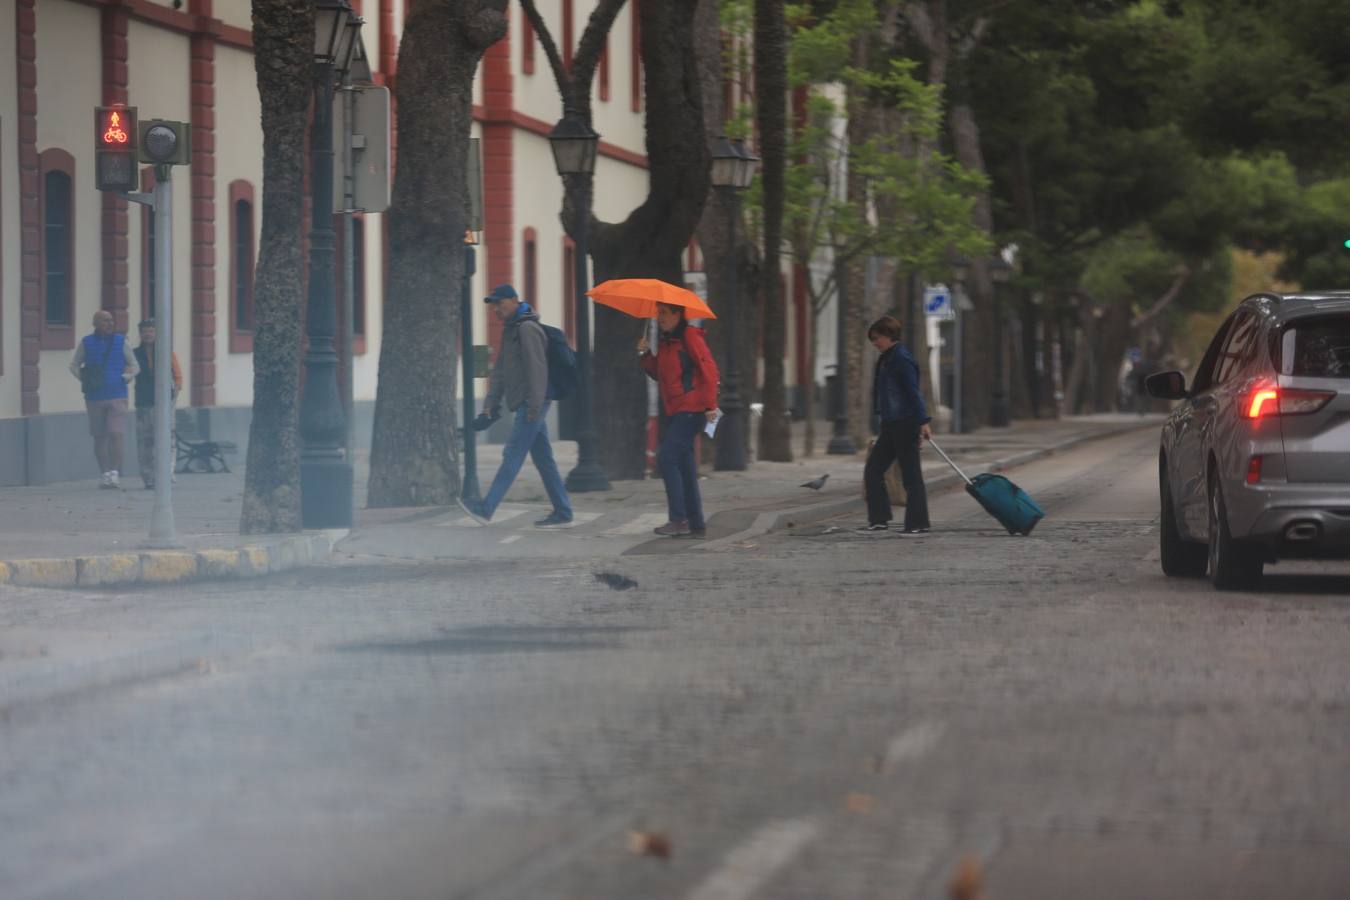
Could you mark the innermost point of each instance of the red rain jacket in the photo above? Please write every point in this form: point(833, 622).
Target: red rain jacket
point(685, 372)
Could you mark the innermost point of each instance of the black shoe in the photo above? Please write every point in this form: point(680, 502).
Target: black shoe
point(695, 533)
point(875, 526)
point(553, 520)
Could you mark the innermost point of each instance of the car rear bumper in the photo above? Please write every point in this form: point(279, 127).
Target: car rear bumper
point(1307, 532)
point(1293, 520)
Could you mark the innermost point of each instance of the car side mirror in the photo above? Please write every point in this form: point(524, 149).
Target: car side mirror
point(1166, 386)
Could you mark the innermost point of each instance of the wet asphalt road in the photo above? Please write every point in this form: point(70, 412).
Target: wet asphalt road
point(802, 715)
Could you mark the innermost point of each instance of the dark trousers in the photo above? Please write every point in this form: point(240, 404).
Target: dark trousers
point(898, 440)
point(675, 459)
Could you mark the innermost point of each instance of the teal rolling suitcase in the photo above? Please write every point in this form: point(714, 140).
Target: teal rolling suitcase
point(1002, 499)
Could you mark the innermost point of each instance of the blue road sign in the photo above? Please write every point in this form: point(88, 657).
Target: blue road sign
point(937, 302)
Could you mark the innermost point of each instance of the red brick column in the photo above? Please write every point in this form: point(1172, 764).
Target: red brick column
point(30, 220)
point(115, 220)
point(498, 172)
point(203, 169)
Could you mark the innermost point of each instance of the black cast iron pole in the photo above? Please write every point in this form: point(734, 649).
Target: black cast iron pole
point(841, 443)
point(325, 470)
point(469, 489)
point(587, 476)
point(731, 443)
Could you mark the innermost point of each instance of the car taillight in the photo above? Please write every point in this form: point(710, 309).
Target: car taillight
point(1254, 470)
point(1284, 402)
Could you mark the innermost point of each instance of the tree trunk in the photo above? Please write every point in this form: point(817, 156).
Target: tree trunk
point(648, 244)
point(414, 458)
point(977, 356)
point(775, 433)
point(283, 60)
point(714, 233)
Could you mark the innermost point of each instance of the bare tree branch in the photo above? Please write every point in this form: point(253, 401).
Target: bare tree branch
point(592, 41)
point(560, 74)
point(1183, 276)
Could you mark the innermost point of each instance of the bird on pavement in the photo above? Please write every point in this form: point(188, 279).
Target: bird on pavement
point(817, 484)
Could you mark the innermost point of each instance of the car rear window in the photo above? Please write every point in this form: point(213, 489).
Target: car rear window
point(1318, 348)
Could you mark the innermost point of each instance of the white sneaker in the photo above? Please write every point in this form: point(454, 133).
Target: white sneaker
point(105, 480)
point(113, 480)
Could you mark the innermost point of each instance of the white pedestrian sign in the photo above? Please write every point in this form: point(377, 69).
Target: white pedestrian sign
point(937, 302)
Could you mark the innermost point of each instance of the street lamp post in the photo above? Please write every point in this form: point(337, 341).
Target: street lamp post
point(841, 444)
point(960, 270)
point(1000, 270)
point(733, 168)
point(469, 489)
point(325, 468)
point(574, 144)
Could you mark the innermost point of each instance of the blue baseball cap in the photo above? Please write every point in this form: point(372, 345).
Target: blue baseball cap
point(501, 292)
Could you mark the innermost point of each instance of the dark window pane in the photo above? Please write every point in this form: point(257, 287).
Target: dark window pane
point(56, 246)
point(1317, 349)
point(243, 265)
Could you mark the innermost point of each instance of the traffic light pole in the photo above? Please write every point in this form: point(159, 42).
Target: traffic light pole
point(162, 531)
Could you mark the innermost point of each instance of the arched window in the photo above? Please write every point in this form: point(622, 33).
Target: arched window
point(635, 56)
point(242, 260)
point(530, 262)
point(57, 168)
point(527, 42)
point(570, 290)
point(568, 34)
point(604, 70)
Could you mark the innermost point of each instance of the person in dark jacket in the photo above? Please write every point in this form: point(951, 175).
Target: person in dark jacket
point(145, 400)
point(104, 363)
point(898, 403)
point(520, 378)
point(687, 377)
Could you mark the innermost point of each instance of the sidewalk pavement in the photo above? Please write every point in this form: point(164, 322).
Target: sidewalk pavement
point(73, 534)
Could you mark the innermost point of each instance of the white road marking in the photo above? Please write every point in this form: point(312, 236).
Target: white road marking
point(912, 743)
point(751, 864)
point(510, 539)
point(643, 524)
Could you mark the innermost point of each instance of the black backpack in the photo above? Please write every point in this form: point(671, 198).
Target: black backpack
point(562, 364)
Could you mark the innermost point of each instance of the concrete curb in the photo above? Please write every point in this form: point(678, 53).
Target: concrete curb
point(173, 566)
point(775, 520)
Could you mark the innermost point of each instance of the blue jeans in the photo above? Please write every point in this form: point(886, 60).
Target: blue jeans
point(675, 459)
point(528, 438)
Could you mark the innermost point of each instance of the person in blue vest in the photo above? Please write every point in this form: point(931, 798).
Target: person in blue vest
point(520, 378)
point(104, 363)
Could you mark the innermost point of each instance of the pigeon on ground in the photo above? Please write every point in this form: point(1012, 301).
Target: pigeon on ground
point(615, 582)
point(817, 484)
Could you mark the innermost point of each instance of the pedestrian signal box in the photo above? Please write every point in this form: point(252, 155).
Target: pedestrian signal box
point(164, 143)
point(115, 143)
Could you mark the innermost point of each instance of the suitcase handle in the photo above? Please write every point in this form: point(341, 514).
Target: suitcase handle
point(949, 461)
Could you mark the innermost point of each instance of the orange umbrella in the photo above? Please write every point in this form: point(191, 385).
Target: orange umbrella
point(639, 296)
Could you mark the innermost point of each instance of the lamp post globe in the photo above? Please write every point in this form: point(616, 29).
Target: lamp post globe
point(574, 144)
point(733, 169)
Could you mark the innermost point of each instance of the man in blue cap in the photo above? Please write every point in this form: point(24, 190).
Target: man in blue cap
point(520, 378)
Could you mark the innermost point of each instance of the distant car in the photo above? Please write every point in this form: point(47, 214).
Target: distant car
point(1255, 459)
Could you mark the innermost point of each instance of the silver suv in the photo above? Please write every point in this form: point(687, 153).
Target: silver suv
point(1255, 459)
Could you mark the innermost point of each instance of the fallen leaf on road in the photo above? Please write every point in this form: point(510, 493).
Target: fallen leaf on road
point(862, 804)
point(968, 881)
point(649, 843)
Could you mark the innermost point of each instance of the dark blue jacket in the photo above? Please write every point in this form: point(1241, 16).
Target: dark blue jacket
point(895, 389)
point(97, 349)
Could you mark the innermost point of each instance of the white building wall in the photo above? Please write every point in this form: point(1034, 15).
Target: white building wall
point(69, 77)
point(10, 380)
point(238, 13)
point(238, 157)
point(159, 89)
